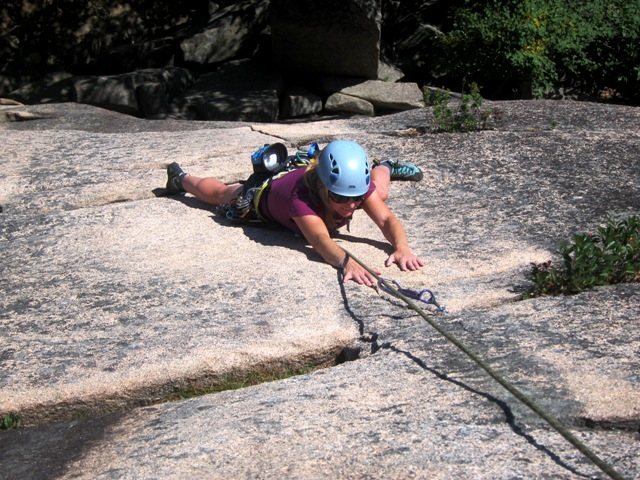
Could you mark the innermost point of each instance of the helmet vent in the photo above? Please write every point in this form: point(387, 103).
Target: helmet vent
point(335, 169)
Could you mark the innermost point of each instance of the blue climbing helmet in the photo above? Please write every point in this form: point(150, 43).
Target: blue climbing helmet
point(344, 168)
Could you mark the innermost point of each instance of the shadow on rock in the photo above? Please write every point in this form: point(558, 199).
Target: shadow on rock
point(384, 246)
point(510, 419)
point(269, 235)
point(46, 452)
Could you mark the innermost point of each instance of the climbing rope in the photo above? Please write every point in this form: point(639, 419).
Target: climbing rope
point(408, 296)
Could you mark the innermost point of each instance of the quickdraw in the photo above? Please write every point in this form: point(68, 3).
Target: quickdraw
point(418, 295)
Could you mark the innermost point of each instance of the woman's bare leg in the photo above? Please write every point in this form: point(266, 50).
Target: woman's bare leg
point(211, 190)
point(381, 176)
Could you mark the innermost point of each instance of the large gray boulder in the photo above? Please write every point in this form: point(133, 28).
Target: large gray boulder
point(298, 102)
point(231, 31)
point(53, 88)
point(339, 102)
point(146, 92)
point(117, 299)
point(335, 37)
point(345, 92)
point(387, 96)
point(115, 93)
point(240, 90)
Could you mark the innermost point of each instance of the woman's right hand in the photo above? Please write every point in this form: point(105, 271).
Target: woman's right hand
point(316, 233)
point(352, 270)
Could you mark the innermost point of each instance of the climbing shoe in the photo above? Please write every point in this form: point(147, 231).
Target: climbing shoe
point(403, 170)
point(175, 174)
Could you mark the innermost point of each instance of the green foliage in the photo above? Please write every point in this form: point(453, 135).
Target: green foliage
point(10, 421)
point(538, 47)
point(238, 381)
point(609, 256)
point(466, 116)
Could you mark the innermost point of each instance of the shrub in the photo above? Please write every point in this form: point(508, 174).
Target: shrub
point(609, 256)
point(467, 115)
point(9, 421)
point(539, 47)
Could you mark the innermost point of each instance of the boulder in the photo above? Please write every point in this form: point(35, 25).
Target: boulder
point(340, 102)
point(17, 116)
point(298, 102)
point(123, 92)
point(334, 37)
point(175, 80)
point(388, 72)
point(53, 88)
point(231, 31)
point(152, 100)
point(146, 92)
point(240, 90)
point(116, 93)
point(386, 95)
point(8, 101)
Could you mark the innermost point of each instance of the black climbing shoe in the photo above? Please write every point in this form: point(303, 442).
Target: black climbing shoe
point(175, 174)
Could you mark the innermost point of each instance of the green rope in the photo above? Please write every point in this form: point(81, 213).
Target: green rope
point(561, 429)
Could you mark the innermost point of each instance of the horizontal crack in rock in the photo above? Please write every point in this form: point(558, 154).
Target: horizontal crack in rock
point(179, 389)
point(632, 425)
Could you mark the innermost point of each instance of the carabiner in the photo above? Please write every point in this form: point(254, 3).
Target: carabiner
point(410, 293)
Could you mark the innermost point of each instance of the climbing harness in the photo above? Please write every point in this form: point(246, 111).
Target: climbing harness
point(409, 297)
point(270, 162)
point(384, 285)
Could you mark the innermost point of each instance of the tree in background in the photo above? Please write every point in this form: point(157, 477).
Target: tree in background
point(545, 48)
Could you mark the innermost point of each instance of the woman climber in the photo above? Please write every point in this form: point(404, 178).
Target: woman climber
point(316, 199)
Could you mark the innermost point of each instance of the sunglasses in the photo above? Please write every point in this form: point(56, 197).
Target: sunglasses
point(342, 199)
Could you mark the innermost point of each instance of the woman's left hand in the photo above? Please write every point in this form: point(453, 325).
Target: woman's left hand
point(405, 259)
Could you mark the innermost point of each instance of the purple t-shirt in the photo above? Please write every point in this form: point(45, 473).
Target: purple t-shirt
point(288, 197)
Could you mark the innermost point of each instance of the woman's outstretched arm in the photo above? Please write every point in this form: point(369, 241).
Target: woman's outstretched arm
point(393, 231)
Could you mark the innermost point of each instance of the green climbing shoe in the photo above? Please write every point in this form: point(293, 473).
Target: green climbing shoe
point(403, 170)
